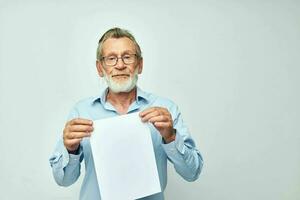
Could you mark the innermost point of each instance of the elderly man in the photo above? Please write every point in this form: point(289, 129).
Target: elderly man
point(119, 61)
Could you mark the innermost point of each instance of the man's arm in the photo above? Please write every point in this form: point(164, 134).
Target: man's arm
point(65, 166)
point(177, 142)
point(182, 152)
point(66, 159)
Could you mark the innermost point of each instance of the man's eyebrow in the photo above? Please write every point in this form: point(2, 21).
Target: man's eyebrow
point(123, 53)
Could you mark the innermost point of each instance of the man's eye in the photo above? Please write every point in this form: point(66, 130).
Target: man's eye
point(111, 58)
point(126, 57)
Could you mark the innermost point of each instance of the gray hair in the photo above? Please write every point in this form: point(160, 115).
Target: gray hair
point(117, 33)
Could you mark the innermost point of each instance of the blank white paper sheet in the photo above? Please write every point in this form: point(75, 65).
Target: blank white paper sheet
point(124, 158)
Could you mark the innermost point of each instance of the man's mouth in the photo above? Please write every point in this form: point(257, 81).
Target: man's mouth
point(120, 75)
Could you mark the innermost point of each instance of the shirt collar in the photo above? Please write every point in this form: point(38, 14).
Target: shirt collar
point(140, 96)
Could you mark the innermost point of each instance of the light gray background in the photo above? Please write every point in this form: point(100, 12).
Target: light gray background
point(231, 66)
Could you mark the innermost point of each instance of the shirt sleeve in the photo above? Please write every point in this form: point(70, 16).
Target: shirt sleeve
point(182, 152)
point(65, 166)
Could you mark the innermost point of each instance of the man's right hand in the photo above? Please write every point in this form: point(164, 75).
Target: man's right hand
point(75, 130)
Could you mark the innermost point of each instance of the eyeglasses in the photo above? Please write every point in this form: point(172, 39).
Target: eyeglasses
point(113, 60)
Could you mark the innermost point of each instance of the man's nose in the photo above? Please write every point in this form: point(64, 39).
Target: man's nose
point(120, 64)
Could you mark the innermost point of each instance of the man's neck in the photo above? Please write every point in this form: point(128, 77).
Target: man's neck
point(122, 100)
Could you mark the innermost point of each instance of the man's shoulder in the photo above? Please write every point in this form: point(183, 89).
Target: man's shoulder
point(159, 100)
point(81, 108)
point(87, 101)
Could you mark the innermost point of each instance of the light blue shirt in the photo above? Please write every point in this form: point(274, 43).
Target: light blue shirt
point(182, 152)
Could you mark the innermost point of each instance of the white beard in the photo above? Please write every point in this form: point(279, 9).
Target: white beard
point(125, 86)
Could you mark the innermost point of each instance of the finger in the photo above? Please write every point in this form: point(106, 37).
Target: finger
point(81, 128)
point(160, 118)
point(77, 135)
point(162, 124)
point(149, 115)
point(72, 142)
point(80, 121)
point(147, 111)
point(152, 109)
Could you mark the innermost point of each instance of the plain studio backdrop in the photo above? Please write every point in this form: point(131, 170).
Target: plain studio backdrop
point(232, 67)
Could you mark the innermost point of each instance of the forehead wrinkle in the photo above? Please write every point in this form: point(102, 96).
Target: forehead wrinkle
point(118, 46)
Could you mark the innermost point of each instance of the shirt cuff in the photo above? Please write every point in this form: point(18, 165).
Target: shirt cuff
point(176, 147)
point(75, 158)
point(70, 159)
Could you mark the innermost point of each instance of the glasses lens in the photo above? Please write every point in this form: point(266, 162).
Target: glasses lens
point(110, 60)
point(128, 59)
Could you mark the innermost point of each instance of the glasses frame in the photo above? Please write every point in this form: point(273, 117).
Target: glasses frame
point(120, 57)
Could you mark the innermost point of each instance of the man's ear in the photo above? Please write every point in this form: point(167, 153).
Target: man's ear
point(99, 68)
point(140, 66)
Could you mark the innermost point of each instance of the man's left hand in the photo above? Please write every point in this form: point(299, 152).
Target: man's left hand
point(162, 120)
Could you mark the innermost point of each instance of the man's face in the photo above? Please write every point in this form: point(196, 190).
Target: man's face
point(121, 77)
